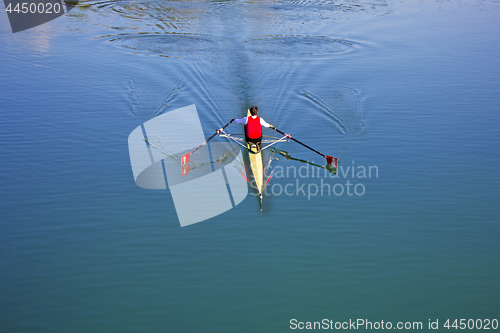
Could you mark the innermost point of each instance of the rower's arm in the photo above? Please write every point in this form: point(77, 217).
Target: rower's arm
point(242, 121)
point(264, 123)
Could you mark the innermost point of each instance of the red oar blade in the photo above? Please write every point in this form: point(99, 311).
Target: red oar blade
point(331, 160)
point(185, 158)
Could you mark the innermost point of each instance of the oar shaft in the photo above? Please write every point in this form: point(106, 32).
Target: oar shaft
point(290, 137)
point(210, 138)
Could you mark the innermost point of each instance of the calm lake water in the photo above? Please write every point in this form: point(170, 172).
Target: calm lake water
point(408, 88)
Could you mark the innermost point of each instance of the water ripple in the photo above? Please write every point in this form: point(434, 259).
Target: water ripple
point(342, 105)
point(149, 98)
point(297, 46)
point(169, 45)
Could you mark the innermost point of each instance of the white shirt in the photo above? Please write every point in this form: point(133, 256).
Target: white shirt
point(245, 120)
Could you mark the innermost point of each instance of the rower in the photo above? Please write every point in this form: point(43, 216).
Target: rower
point(253, 127)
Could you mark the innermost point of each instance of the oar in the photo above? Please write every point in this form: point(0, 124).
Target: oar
point(329, 159)
point(185, 158)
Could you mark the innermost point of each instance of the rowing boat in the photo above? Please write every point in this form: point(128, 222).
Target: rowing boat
point(255, 157)
point(258, 169)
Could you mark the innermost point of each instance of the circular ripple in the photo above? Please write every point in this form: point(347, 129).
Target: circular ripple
point(170, 45)
point(297, 46)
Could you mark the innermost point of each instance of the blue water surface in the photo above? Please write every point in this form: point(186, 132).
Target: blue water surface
point(409, 88)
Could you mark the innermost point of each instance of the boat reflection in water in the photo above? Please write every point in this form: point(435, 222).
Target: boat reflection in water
point(224, 154)
point(284, 155)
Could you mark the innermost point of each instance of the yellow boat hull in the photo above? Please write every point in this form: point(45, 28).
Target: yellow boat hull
point(256, 165)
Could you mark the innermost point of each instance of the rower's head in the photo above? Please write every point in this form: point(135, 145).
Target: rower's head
point(254, 110)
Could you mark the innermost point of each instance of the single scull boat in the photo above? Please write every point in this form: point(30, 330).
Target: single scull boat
point(255, 157)
point(258, 169)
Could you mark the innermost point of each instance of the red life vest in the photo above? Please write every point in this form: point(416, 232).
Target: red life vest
point(253, 128)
